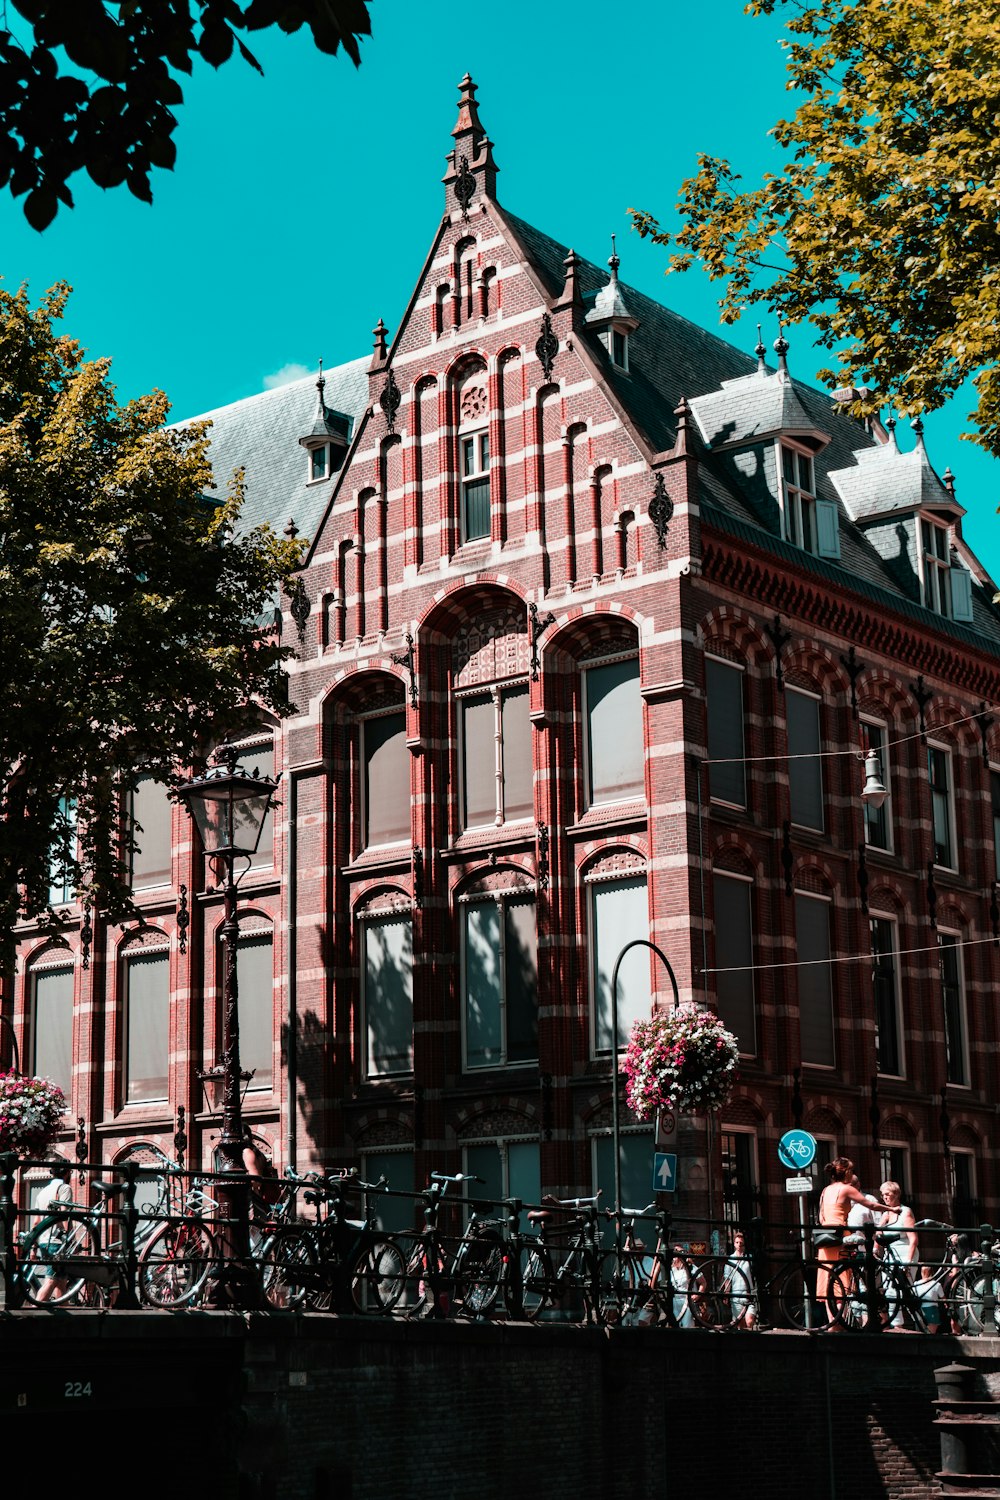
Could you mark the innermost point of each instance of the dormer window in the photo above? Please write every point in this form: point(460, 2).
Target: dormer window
point(937, 568)
point(319, 462)
point(800, 498)
point(619, 348)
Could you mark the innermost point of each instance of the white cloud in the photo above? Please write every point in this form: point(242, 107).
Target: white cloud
point(285, 376)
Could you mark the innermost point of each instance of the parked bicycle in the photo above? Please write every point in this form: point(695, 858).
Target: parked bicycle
point(470, 1280)
point(562, 1267)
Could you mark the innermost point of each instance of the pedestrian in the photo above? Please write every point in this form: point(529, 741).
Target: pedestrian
point(54, 1195)
point(738, 1284)
point(930, 1294)
point(834, 1207)
point(683, 1284)
point(897, 1232)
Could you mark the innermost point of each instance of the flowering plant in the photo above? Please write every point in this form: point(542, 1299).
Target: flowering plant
point(679, 1060)
point(30, 1112)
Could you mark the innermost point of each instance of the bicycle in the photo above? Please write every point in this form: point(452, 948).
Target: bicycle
point(478, 1267)
point(567, 1264)
point(969, 1290)
point(177, 1260)
point(62, 1260)
point(336, 1263)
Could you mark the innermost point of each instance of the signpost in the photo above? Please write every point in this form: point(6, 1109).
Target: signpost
point(664, 1171)
point(796, 1151)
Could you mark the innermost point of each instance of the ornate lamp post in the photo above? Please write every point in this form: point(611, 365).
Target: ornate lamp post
point(616, 1129)
point(229, 806)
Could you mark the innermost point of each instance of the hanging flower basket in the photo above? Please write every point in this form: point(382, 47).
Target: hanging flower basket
point(681, 1060)
point(31, 1110)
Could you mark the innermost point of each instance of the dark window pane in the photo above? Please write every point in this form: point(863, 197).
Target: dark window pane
point(261, 759)
point(954, 1009)
point(873, 737)
point(479, 761)
point(394, 1215)
point(734, 952)
point(724, 688)
point(812, 932)
point(614, 732)
point(518, 772)
point(388, 995)
point(147, 1026)
point(255, 984)
point(884, 983)
point(939, 774)
point(151, 817)
point(387, 780)
point(636, 1176)
point(483, 985)
point(476, 495)
point(521, 981)
point(805, 775)
point(52, 1027)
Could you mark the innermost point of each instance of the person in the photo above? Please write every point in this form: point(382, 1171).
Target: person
point(859, 1217)
point(897, 1232)
point(683, 1282)
point(834, 1207)
point(738, 1285)
point(930, 1294)
point(53, 1196)
point(265, 1188)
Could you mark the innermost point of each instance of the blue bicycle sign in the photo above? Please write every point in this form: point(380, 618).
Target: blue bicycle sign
point(796, 1149)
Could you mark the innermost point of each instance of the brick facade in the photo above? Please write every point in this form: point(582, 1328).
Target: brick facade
point(620, 525)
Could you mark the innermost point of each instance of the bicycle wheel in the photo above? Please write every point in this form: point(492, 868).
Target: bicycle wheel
point(796, 1286)
point(478, 1273)
point(288, 1269)
point(847, 1299)
point(54, 1259)
point(176, 1262)
point(536, 1284)
point(976, 1301)
point(617, 1301)
point(379, 1277)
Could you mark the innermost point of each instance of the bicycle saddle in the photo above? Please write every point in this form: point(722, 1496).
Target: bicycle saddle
point(109, 1189)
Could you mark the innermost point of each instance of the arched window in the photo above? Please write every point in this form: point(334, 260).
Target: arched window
point(385, 936)
point(474, 457)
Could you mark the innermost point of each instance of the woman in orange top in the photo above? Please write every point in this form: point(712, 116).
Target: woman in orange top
point(834, 1205)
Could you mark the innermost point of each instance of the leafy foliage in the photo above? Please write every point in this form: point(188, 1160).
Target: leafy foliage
point(129, 610)
point(94, 86)
point(883, 228)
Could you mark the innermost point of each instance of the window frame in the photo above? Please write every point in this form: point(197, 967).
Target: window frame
point(614, 334)
point(722, 661)
point(36, 970)
point(905, 1177)
point(827, 901)
point(479, 437)
point(156, 884)
point(496, 691)
point(737, 1220)
point(954, 944)
point(750, 883)
point(313, 452)
point(800, 756)
point(500, 899)
point(363, 920)
point(593, 884)
point(590, 800)
point(945, 750)
point(883, 813)
point(994, 770)
point(798, 501)
point(159, 950)
point(395, 710)
point(935, 567)
point(893, 921)
point(502, 1143)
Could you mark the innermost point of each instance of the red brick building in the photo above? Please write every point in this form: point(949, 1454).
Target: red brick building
point(601, 615)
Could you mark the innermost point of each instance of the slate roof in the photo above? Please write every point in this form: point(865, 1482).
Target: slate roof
point(669, 358)
point(885, 482)
point(261, 434)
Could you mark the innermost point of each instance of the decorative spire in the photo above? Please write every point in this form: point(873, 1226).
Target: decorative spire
point(890, 427)
point(918, 429)
point(470, 164)
point(614, 261)
point(760, 350)
point(781, 347)
point(948, 480)
point(468, 111)
point(682, 443)
point(609, 304)
point(571, 294)
point(380, 354)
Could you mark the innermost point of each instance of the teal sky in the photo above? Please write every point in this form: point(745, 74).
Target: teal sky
point(303, 203)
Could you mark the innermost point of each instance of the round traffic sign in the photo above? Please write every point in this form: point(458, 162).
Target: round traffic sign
point(796, 1149)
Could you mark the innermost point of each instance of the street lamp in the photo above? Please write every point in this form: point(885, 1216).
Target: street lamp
point(229, 806)
point(616, 1130)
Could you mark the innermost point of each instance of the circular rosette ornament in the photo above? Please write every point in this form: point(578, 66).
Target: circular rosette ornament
point(31, 1110)
point(682, 1060)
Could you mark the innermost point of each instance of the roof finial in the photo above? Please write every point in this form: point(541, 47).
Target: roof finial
point(291, 530)
point(781, 347)
point(571, 295)
point(614, 262)
point(321, 386)
point(468, 109)
point(890, 427)
point(948, 479)
point(918, 429)
point(380, 354)
point(761, 353)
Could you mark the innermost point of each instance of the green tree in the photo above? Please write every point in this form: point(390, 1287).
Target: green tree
point(130, 610)
point(92, 84)
point(883, 227)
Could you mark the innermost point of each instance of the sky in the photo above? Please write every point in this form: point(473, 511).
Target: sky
point(303, 203)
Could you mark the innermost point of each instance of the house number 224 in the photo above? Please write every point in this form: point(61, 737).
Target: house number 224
point(75, 1388)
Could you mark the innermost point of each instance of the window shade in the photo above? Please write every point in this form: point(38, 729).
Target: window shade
point(614, 732)
point(805, 776)
point(812, 933)
point(147, 1024)
point(52, 1027)
point(479, 761)
point(151, 818)
point(387, 780)
point(518, 789)
point(724, 688)
point(255, 979)
point(734, 950)
point(620, 913)
point(261, 759)
point(388, 996)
